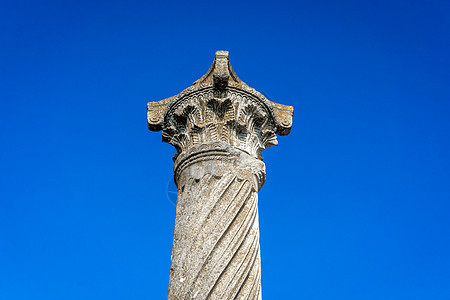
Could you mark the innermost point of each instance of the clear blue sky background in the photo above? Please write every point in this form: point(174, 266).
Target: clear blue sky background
point(356, 202)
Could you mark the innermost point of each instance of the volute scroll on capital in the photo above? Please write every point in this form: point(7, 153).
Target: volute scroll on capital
point(220, 107)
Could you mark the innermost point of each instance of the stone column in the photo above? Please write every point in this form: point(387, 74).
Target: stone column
point(219, 127)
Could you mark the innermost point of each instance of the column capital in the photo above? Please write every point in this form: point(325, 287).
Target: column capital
point(220, 107)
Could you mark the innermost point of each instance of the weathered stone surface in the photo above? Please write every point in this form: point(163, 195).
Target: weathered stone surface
point(219, 127)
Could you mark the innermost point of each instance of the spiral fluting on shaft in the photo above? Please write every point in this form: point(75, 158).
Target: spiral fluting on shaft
point(216, 239)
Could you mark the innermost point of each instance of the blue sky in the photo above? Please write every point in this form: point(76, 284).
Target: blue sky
point(357, 198)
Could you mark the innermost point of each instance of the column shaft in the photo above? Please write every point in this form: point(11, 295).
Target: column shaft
point(215, 252)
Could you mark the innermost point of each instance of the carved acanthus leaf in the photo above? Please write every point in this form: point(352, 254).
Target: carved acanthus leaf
point(220, 107)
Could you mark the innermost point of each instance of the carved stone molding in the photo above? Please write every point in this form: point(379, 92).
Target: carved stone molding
point(218, 151)
point(220, 107)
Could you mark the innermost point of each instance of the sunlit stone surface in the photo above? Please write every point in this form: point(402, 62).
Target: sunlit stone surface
point(219, 127)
